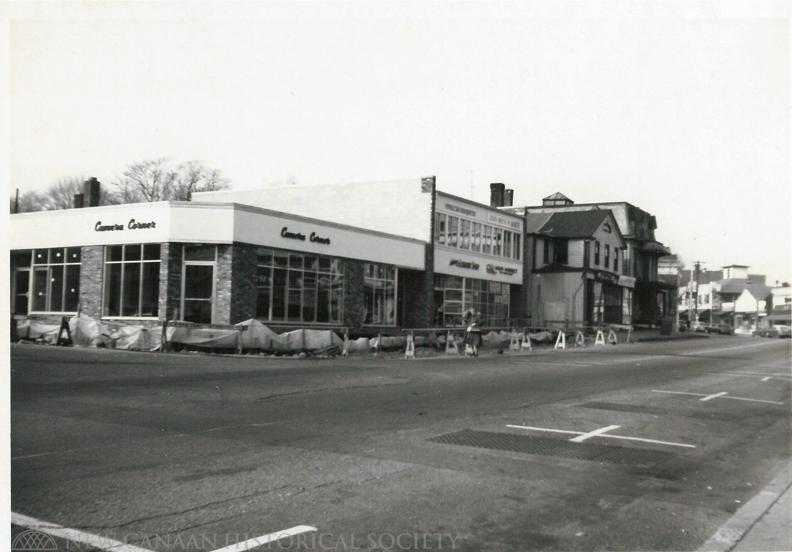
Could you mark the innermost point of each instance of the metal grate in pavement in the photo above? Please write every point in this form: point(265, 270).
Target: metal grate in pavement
point(547, 446)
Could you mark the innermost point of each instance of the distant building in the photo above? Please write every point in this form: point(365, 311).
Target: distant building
point(651, 299)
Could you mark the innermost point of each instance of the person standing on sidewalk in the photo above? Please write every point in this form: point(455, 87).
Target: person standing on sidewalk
point(473, 333)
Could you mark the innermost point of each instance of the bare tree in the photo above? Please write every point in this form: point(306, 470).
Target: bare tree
point(194, 177)
point(160, 180)
point(145, 181)
point(61, 194)
point(28, 202)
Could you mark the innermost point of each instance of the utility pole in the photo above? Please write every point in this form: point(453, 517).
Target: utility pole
point(695, 292)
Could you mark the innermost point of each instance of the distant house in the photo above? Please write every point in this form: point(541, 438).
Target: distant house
point(577, 260)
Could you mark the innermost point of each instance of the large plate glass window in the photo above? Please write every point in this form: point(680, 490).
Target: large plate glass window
point(55, 281)
point(131, 280)
point(455, 296)
point(298, 287)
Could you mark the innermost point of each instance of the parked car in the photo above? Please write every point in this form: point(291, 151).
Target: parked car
point(722, 329)
point(774, 331)
point(699, 327)
point(784, 331)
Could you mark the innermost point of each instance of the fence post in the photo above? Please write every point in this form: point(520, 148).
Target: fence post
point(451, 346)
point(68, 339)
point(165, 345)
point(409, 352)
point(560, 340)
point(600, 339)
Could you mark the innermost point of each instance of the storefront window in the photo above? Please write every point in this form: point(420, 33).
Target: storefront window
point(440, 228)
point(131, 283)
point(487, 245)
point(517, 250)
point(489, 299)
point(55, 280)
point(296, 287)
point(475, 242)
point(453, 229)
point(379, 294)
point(464, 234)
point(507, 244)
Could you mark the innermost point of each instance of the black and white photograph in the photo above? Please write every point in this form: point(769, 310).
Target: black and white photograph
point(398, 276)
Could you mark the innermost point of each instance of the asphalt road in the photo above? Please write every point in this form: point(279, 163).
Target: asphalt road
point(194, 452)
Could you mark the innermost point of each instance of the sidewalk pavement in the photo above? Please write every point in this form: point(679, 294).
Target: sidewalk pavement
point(763, 523)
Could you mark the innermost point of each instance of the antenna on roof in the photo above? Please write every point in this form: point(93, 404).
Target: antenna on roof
point(470, 182)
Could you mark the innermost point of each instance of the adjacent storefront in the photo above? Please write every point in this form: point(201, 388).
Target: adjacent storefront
point(478, 262)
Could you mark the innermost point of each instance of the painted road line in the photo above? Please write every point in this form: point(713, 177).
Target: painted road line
point(594, 433)
point(72, 535)
point(650, 441)
point(709, 397)
point(751, 400)
point(718, 395)
point(604, 435)
point(266, 539)
point(548, 430)
point(720, 350)
point(764, 377)
point(679, 393)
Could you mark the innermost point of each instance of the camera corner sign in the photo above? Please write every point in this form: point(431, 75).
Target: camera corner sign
point(301, 237)
point(131, 225)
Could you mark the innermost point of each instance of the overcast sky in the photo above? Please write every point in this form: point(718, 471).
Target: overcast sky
point(678, 110)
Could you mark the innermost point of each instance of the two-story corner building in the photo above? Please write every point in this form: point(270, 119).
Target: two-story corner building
point(473, 253)
point(576, 264)
point(652, 299)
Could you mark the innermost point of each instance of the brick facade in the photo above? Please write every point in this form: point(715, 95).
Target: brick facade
point(354, 304)
point(170, 281)
point(243, 282)
point(92, 263)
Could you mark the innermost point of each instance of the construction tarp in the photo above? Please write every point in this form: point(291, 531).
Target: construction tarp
point(85, 332)
point(136, 338)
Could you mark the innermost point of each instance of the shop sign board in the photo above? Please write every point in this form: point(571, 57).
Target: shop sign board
point(607, 277)
point(479, 213)
point(457, 263)
point(627, 281)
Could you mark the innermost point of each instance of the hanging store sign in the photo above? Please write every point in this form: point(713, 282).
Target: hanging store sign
point(464, 264)
point(494, 269)
point(301, 237)
point(627, 281)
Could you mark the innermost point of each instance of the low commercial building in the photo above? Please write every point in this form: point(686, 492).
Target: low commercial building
point(395, 254)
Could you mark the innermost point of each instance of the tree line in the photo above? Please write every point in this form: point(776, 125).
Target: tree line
point(149, 180)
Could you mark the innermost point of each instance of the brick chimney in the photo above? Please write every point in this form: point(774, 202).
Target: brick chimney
point(496, 194)
point(91, 192)
point(508, 198)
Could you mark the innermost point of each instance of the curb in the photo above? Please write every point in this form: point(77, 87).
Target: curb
point(731, 532)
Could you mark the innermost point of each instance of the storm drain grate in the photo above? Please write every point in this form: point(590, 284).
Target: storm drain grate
point(547, 446)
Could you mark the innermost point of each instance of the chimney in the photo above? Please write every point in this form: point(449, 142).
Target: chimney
point(508, 198)
point(496, 194)
point(91, 192)
point(78, 201)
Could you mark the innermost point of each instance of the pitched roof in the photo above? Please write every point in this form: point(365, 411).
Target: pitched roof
point(534, 221)
point(758, 290)
point(574, 224)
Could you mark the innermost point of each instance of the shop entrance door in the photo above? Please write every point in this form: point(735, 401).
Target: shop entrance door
point(198, 294)
point(21, 290)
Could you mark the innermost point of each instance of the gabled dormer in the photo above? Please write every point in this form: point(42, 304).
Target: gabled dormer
point(576, 240)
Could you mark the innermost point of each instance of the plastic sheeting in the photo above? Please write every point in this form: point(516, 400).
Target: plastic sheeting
point(85, 332)
point(136, 338)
